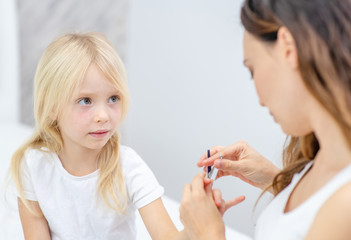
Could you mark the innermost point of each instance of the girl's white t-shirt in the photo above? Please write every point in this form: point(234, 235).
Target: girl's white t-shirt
point(71, 204)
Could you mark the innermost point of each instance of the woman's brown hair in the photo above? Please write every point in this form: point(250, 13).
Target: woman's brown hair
point(322, 34)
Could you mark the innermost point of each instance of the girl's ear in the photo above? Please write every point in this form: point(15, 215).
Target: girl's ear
point(53, 116)
point(287, 46)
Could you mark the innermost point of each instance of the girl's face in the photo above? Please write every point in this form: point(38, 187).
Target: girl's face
point(278, 82)
point(92, 114)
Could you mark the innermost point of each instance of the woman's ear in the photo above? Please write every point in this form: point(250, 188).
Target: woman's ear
point(287, 46)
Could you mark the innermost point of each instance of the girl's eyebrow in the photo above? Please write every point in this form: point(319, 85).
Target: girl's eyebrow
point(91, 93)
point(85, 92)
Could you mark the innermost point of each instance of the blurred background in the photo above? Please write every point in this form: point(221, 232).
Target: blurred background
point(189, 88)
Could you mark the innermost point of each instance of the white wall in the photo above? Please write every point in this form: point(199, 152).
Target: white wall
point(9, 94)
point(190, 91)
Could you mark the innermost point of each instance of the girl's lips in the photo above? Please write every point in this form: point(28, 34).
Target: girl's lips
point(99, 134)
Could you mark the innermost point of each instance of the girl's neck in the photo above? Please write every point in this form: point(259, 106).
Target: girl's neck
point(79, 162)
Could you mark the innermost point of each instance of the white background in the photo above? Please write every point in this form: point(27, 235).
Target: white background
point(190, 91)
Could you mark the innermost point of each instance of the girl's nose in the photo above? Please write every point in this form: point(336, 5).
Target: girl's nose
point(101, 115)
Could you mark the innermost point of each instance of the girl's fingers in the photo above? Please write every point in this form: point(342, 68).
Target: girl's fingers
point(217, 196)
point(222, 205)
point(198, 182)
point(186, 190)
point(207, 181)
point(233, 202)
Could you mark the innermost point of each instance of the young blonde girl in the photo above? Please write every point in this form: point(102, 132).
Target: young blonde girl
point(74, 179)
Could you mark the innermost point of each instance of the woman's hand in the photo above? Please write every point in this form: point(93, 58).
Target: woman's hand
point(199, 213)
point(242, 161)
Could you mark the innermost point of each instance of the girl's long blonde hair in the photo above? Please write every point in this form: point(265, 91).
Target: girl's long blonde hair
point(322, 33)
point(60, 71)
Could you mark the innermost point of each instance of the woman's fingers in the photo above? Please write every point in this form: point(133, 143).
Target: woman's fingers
point(208, 161)
point(233, 152)
point(228, 165)
point(213, 154)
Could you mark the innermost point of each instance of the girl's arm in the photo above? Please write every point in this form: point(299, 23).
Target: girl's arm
point(33, 227)
point(158, 222)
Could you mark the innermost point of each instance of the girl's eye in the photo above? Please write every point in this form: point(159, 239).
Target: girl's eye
point(113, 99)
point(84, 101)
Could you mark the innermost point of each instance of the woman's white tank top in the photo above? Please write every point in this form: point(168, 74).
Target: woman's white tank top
point(274, 224)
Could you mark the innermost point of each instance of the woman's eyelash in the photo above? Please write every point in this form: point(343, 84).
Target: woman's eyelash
point(251, 73)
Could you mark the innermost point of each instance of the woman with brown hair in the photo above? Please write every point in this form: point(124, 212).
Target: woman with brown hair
point(299, 55)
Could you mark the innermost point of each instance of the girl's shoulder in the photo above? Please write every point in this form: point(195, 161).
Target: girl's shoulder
point(129, 156)
point(131, 160)
point(38, 157)
point(127, 152)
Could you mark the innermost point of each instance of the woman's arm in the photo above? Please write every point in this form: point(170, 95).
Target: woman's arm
point(158, 222)
point(334, 218)
point(33, 227)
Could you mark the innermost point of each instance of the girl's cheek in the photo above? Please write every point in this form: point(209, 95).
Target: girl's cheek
point(82, 117)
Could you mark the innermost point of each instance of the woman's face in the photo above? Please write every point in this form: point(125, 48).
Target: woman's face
point(278, 83)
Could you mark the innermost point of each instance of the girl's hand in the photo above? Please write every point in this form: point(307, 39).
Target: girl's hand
point(221, 204)
point(242, 161)
point(199, 213)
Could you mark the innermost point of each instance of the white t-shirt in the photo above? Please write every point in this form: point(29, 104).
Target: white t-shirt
point(70, 203)
point(274, 224)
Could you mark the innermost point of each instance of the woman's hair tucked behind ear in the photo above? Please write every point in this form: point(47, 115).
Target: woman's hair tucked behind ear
point(322, 33)
point(59, 73)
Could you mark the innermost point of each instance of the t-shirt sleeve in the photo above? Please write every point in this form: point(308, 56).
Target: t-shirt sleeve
point(142, 185)
point(26, 179)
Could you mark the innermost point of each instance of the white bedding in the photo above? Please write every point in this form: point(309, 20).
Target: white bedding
point(10, 227)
